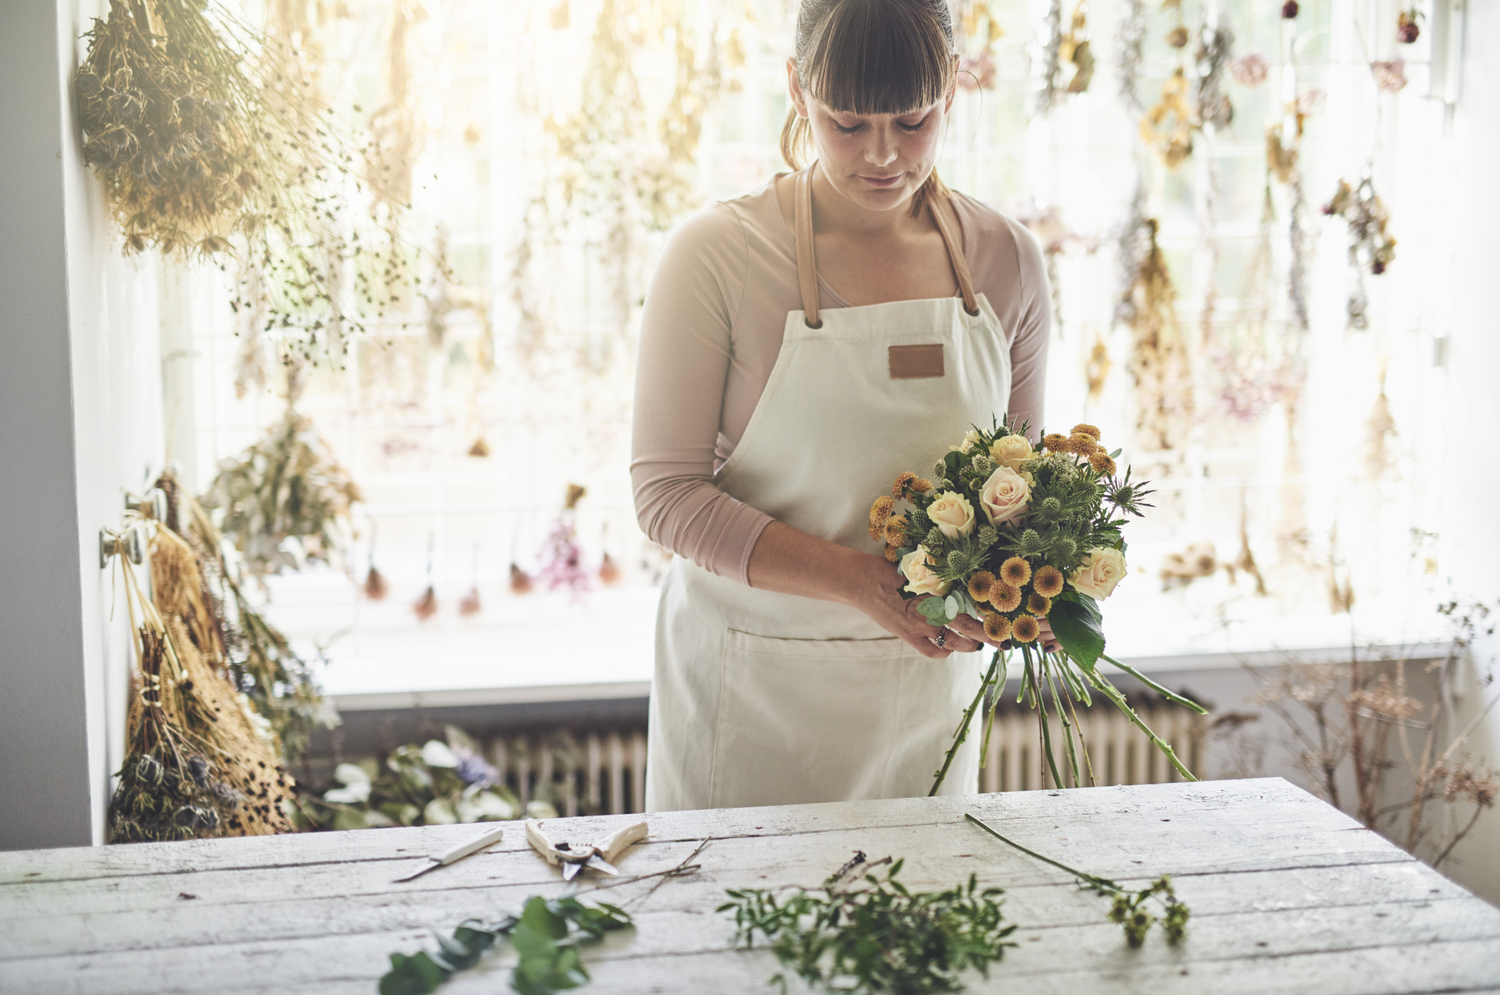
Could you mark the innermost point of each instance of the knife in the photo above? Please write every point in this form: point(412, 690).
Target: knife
point(459, 852)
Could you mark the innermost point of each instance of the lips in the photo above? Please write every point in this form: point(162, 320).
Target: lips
point(882, 181)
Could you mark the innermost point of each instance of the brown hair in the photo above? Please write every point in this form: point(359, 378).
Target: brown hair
point(872, 57)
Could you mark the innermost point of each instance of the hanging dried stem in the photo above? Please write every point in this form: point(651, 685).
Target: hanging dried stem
point(1159, 363)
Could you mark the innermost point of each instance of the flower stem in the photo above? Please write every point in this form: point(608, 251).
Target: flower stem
point(1096, 882)
point(962, 732)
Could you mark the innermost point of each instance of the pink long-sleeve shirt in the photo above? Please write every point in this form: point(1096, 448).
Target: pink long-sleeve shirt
point(710, 335)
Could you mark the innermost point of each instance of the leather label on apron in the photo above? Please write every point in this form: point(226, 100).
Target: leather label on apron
point(915, 362)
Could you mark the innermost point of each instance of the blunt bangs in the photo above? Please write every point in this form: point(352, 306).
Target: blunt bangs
point(880, 57)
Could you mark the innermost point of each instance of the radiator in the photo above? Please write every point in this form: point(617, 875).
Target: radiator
point(597, 771)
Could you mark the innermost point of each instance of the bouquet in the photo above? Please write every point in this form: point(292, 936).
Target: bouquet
point(1015, 535)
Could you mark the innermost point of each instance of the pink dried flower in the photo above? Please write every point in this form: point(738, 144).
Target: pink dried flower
point(1249, 70)
point(1390, 76)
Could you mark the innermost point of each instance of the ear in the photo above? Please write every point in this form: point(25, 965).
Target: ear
point(794, 89)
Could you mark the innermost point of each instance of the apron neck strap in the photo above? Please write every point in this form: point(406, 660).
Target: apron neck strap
point(947, 222)
point(807, 269)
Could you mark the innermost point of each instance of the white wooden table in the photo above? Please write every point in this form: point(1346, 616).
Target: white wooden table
point(1288, 895)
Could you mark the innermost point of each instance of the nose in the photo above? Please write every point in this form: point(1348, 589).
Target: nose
point(881, 150)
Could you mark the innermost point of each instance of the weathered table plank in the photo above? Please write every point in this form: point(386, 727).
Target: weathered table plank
point(1287, 894)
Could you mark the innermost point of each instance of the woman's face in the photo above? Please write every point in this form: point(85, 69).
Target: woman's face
point(878, 161)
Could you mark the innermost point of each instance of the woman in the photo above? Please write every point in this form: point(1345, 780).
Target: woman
point(802, 345)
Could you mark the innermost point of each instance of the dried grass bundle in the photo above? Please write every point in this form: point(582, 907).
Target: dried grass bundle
point(198, 763)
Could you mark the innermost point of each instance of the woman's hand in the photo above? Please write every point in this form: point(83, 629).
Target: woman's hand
point(788, 560)
point(972, 630)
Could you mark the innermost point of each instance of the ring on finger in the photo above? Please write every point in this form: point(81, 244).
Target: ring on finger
point(942, 639)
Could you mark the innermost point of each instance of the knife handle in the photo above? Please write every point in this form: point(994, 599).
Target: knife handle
point(471, 846)
point(616, 844)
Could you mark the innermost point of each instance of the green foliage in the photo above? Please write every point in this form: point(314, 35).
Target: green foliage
point(545, 936)
point(1129, 908)
point(285, 500)
point(1079, 627)
point(863, 933)
point(435, 783)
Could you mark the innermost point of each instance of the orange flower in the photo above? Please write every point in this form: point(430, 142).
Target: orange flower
point(879, 512)
point(922, 486)
point(1015, 571)
point(1048, 582)
point(1005, 597)
point(996, 627)
point(1055, 443)
point(1082, 444)
point(895, 530)
point(1038, 605)
point(893, 553)
point(903, 482)
point(981, 584)
point(1083, 428)
point(1101, 463)
point(1025, 629)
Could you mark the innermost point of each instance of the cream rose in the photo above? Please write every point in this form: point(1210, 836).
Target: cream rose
point(1012, 451)
point(921, 579)
point(970, 440)
point(953, 514)
point(1098, 574)
point(1004, 496)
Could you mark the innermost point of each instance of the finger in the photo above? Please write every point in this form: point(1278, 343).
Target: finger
point(925, 646)
point(967, 634)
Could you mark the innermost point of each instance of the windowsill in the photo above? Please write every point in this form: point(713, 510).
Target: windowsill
point(544, 648)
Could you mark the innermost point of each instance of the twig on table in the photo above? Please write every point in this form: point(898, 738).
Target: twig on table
point(681, 870)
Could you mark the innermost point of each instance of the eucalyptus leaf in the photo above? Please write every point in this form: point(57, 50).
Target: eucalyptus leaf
point(545, 937)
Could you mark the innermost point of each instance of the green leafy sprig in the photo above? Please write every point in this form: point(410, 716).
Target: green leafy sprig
point(864, 933)
point(545, 936)
point(1129, 908)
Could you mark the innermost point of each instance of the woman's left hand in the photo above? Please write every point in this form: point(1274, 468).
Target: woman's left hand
point(966, 634)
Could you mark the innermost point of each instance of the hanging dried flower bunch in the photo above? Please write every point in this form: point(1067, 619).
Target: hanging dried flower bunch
point(1159, 363)
point(1255, 357)
point(212, 140)
point(285, 500)
point(1046, 67)
point(1215, 46)
point(562, 557)
point(1167, 128)
point(258, 659)
point(1074, 49)
point(199, 763)
point(167, 114)
point(395, 133)
point(1130, 37)
point(1370, 245)
point(612, 175)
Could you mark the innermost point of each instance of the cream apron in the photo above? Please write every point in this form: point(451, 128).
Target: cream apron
point(763, 698)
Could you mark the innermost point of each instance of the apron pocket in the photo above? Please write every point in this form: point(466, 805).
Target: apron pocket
point(813, 720)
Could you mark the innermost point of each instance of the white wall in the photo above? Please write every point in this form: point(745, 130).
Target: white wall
point(80, 422)
point(1471, 415)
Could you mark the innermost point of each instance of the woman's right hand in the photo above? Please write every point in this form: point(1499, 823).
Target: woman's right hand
point(877, 593)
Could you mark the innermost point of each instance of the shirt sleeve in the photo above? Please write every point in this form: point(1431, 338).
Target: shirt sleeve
point(1028, 347)
point(686, 349)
